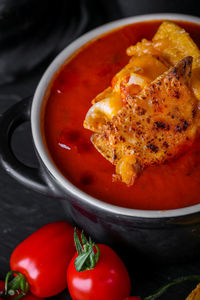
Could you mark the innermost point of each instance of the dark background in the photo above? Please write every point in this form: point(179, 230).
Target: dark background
point(32, 32)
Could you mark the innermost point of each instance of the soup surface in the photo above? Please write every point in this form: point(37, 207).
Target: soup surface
point(167, 186)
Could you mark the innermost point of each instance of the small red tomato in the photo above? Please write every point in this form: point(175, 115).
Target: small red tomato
point(29, 296)
point(43, 258)
point(97, 274)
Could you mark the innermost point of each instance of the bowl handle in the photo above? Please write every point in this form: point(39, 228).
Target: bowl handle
point(30, 177)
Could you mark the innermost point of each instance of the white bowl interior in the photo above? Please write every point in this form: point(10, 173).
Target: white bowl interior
point(41, 92)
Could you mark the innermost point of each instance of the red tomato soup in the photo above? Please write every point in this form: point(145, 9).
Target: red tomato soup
point(168, 186)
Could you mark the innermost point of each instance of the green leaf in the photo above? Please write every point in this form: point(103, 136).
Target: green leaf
point(17, 286)
point(84, 239)
point(77, 242)
point(97, 254)
point(22, 284)
point(92, 260)
point(91, 242)
point(80, 261)
point(86, 259)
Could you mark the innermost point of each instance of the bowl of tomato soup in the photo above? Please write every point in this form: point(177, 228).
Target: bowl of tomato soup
point(159, 215)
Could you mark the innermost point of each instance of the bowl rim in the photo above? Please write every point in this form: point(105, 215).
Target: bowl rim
point(36, 117)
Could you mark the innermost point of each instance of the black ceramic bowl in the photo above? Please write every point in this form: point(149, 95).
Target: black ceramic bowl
point(164, 235)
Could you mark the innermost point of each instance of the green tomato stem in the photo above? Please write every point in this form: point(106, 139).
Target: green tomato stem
point(18, 285)
point(87, 258)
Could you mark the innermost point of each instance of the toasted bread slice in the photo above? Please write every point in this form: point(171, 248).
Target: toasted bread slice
point(154, 126)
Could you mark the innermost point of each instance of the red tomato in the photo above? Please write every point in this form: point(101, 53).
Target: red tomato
point(29, 296)
point(43, 258)
point(108, 280)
